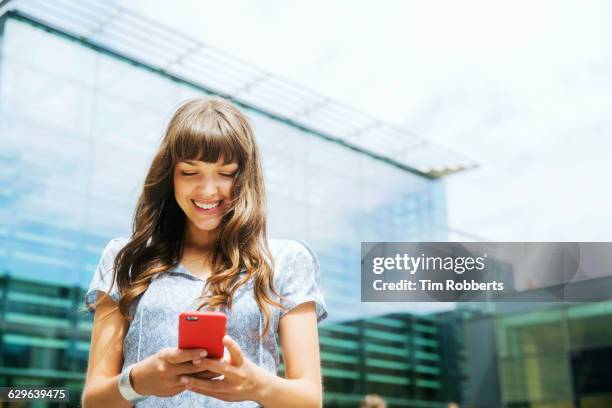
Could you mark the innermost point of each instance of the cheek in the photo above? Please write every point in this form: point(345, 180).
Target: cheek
point(180, 190)
point(227, 189)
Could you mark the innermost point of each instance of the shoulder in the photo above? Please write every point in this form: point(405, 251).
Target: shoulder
point(102, 279)
point(290, 249)
point(113, 246)
point(291, 258)
point(116, 244)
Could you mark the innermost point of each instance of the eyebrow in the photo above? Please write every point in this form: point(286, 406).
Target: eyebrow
point(191, 163)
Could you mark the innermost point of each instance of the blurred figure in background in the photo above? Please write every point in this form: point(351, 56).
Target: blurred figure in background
point(373, 401)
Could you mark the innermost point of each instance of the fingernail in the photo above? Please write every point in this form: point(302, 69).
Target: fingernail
point(184, 380)
point(204, 353)
point(198, 361)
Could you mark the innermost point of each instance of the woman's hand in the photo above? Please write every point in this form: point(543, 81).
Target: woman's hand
point(160, 373)
point(241, 377)
point(207, 374)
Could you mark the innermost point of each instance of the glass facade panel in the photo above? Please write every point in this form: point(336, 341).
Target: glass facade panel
point(556, 356)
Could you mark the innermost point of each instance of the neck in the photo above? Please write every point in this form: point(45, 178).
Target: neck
point(199, 240)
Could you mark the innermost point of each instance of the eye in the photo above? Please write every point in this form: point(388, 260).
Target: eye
point(187, 174)
point(228, 175)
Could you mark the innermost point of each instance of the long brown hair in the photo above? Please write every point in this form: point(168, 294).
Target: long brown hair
point(205, 130)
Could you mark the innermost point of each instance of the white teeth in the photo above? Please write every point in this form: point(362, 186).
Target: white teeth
point(206, 206)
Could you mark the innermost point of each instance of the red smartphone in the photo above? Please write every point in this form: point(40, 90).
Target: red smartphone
point(202, 330)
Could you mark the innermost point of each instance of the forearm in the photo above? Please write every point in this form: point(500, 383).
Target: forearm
point(104, 393)
point(281, 392)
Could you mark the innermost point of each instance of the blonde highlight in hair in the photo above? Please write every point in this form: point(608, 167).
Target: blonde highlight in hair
point(205, 130)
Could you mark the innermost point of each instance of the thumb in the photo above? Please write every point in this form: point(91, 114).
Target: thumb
point(236, 356)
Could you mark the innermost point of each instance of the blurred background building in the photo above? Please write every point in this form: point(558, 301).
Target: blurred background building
point(86, 89)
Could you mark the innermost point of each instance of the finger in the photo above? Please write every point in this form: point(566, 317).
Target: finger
point(177, 355)
point(205, 386)
point(227, 358)
point(213, 365)
point(237, 359)
point(189, 368)
point(206, 375)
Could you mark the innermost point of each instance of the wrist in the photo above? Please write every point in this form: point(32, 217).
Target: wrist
point(264, 383)
point(136, 379)
point(125, 385)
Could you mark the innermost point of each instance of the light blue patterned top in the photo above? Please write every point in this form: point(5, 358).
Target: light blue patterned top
point(155, 323)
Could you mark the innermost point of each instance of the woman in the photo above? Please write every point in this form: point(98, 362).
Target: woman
point(199, 241)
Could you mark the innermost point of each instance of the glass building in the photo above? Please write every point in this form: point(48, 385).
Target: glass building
point(83, 105)
point(540, 355)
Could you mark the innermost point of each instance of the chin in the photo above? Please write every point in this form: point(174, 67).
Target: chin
point(209, 225)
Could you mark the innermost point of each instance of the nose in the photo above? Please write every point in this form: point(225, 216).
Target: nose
point(208, 188)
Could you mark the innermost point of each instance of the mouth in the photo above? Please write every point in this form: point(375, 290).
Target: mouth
point(207, 208)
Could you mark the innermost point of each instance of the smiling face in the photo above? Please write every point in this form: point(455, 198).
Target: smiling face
point(204, 191)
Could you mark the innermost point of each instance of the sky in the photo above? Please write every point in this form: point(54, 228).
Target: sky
point(524, 88)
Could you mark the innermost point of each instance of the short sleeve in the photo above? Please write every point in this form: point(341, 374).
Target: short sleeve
point(301, 281)
point(101, 281)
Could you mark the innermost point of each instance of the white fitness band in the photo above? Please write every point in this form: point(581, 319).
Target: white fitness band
point(125, 387)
